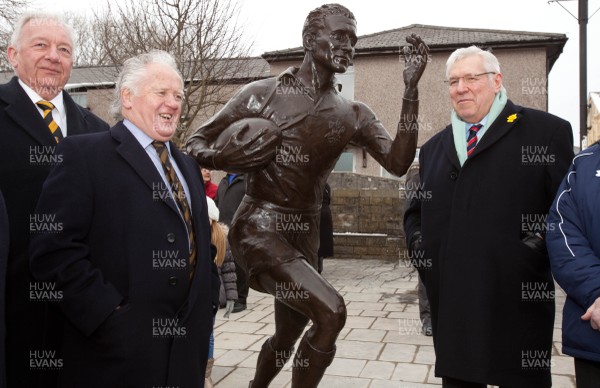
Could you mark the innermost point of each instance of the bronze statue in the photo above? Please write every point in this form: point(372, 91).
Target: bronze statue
point(287, 133)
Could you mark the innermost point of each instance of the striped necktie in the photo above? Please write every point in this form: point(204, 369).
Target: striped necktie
point(180, 199)
point(47, 107)
point(472, 139)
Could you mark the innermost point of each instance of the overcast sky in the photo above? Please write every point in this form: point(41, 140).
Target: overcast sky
point(277, 24)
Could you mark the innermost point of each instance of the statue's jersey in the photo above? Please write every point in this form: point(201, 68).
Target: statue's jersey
point(314, 134)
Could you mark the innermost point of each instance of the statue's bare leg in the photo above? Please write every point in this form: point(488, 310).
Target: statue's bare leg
point(301, 294)
point(277, 350)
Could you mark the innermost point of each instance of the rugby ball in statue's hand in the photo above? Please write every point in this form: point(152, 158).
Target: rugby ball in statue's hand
point(247, 144)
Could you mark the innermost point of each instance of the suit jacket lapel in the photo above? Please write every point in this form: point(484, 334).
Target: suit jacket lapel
point(449, 148)
point(133, 153)
point(509, 116)
point(22, 110)
point(192, 178)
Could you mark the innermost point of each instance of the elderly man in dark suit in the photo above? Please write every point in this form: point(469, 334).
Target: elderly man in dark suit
point(4, 236)
point(35, 113)
point(132, 257)
point(489, 179)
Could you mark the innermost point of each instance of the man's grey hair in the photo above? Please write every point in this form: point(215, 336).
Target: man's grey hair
point(132, 75)
point(490, 62)
point(45, 17)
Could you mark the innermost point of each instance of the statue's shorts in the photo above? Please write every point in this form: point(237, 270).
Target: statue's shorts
point(264, 235)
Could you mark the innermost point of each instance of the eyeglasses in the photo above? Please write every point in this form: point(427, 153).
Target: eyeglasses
point(468, 79)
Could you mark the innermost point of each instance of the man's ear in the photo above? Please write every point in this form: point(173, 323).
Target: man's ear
point(497, 80)
point(308, 41)
point(12, 53)
point(126, 95)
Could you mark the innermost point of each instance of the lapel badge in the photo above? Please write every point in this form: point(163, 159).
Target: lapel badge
point(511, 118)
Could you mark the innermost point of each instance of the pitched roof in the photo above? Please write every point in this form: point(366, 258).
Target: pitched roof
point(441, 39)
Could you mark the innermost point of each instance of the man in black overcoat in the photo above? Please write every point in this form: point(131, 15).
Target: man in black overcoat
point(489, 179)
point(132, 258)
point(41, 54)
point(4, 240)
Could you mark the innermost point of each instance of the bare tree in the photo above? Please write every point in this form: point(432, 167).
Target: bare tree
point(89, 49)
point(9, 11)
point(203, 35)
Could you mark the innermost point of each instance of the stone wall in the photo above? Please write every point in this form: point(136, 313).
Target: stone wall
point(367, 216)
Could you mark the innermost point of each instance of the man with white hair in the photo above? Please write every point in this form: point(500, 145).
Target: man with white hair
point(133, 259)
point(35, 114)
point(489, 179)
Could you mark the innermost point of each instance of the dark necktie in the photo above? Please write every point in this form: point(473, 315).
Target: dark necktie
point(472, 139)
point(47, 107)
point(179, 197)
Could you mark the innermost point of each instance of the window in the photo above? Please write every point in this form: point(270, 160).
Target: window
point(345, 163)
point(80, 98)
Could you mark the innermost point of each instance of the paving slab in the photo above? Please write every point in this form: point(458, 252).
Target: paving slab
point(381, 345)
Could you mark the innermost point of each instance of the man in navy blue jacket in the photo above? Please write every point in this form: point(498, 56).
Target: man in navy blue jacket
point(131, 256)
point(573, 240)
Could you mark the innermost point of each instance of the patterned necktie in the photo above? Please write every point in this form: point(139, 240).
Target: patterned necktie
point(47, 107)
point(472, 139)
point(179, 197)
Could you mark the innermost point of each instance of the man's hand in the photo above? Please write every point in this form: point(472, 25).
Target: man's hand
point(228, 308)
point(536, 242)
point(417, 242)
point(415, 56)
point(593, 315)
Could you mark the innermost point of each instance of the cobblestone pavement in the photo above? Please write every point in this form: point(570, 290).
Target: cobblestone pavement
point(381, 345)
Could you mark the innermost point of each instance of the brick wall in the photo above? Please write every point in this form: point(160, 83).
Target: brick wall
point(367, 217)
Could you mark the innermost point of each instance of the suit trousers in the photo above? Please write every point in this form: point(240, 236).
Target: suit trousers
point(587, 373)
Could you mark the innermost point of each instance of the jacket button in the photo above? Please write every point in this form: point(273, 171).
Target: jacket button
point(453, 175)
point(171, 238)
point(172, 281)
